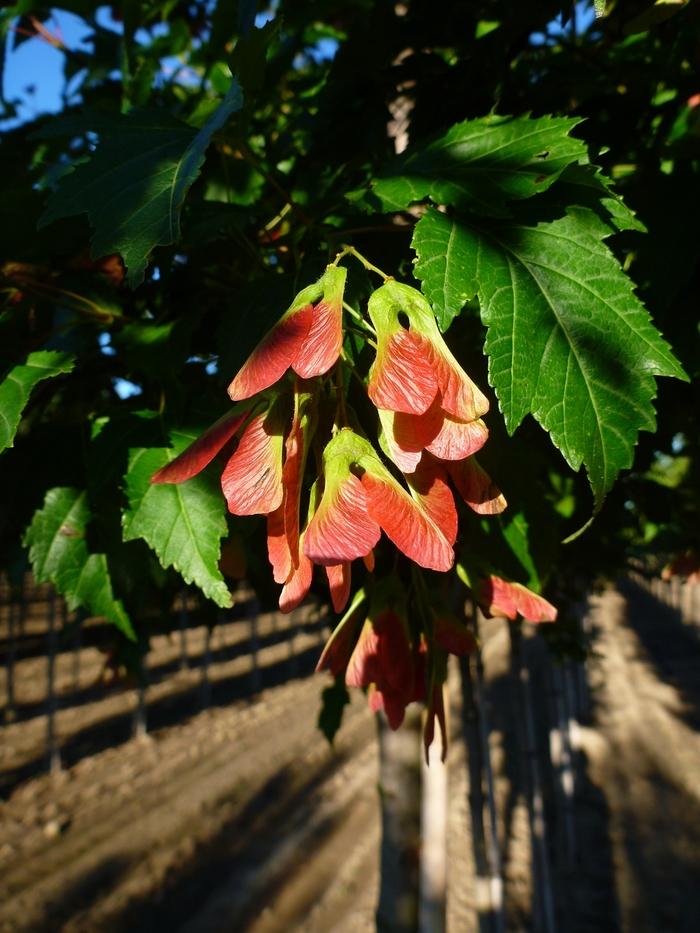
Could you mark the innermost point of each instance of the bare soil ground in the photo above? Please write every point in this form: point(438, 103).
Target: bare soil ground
point(240, 817)
point(643, 763)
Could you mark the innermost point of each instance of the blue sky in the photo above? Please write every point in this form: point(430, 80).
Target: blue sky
point(34, 70)
point(33, 76)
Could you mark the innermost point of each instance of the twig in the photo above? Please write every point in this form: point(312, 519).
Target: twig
point(250, 157)
point(544, 920)
point(341, 413)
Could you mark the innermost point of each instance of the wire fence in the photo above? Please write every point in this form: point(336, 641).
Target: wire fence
point(71, 686)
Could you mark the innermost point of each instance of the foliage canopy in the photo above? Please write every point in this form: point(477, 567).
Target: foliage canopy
point(534, 171)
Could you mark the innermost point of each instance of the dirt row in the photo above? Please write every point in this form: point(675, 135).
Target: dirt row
point(188, 804)
point(242, 818)
point(184, 671)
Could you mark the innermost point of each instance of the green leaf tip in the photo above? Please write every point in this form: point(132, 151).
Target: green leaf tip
point(19, 383)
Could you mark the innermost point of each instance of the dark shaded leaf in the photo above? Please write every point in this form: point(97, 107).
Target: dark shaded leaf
point(133, 187)
point(334, 699)
point(480, 165)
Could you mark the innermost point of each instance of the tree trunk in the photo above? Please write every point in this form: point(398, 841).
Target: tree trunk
point(493, 848)
point(562, 762)
point(400, 799)
point(432, 911)
point(543, 913)
point(487, 855)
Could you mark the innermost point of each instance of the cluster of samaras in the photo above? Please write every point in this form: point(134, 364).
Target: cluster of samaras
point(430, 427)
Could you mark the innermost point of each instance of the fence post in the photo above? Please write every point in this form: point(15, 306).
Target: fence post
point(183, 622)
point(580, 699)
point(255, 676)
point(206, 662)
point(12, 612)
point(470, 727)
point(77, 650)
point(221, 626)
point(293, 660)
point(675, 585)
point(687, 603)
point(53, 752)
point(139, 727)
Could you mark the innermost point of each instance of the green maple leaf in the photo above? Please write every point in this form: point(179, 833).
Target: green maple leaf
point(183, 523)
point(134, 185)
point(480, 165)
point(568, 340)
point(443, 255)
point(515, 532)
point(586, 186)
point(17, 386)
point(59, 553)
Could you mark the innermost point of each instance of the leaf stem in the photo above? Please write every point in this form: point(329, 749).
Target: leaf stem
point(270, 225)
point(341, 415)
point(354, 372)
point(358, 317)
point(79, 303)
point(405, 228)
point(250, 157)
point(351, 251)
point(421, 590)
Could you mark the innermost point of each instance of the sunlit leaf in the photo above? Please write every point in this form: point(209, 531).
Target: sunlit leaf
point(480, 165)
point(183, 523)
point(17, 386)
point(568, 340)
point(59, 553)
